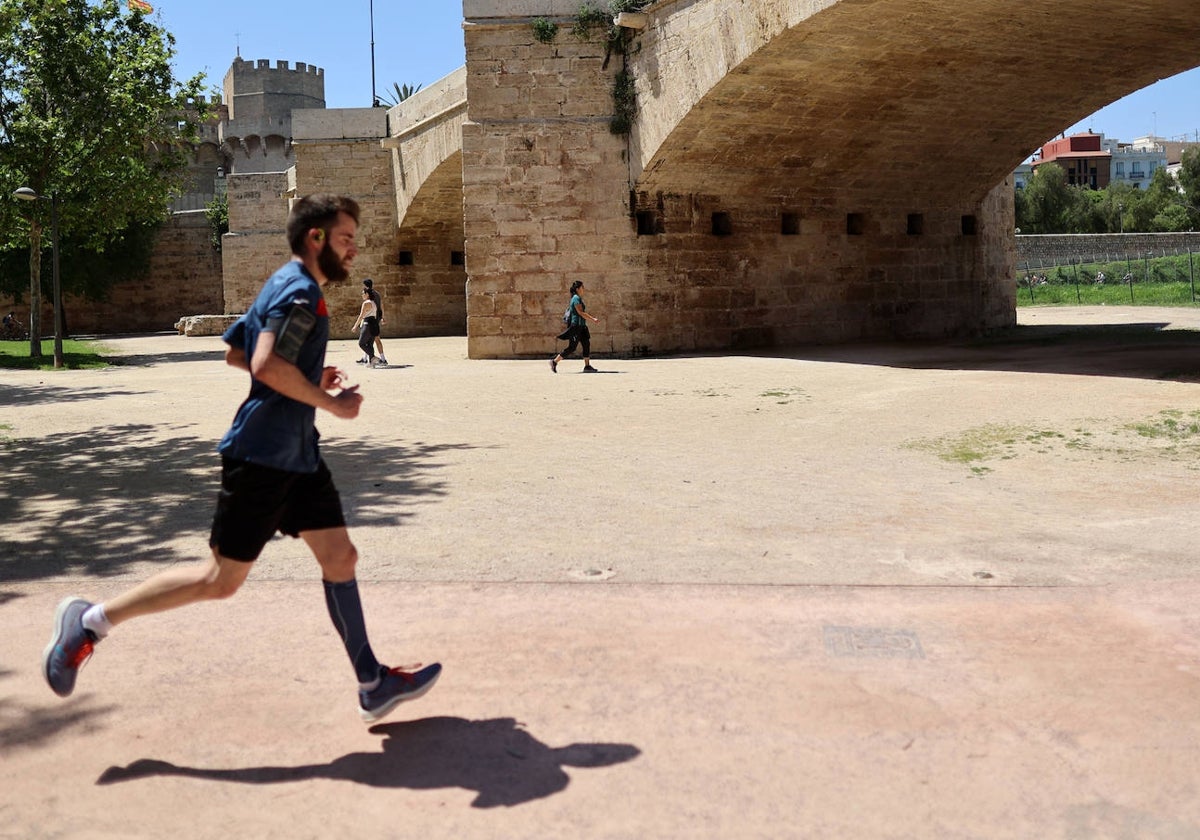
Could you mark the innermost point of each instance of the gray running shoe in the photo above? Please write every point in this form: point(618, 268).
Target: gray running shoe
point(70, 646)
point(395, 688)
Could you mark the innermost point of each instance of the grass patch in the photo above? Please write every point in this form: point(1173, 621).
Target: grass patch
point(973, 446)
point(1131, 280)
point(1172, 434)
point(77, 355)
point(1170, 425)
point(783, 396)
point(1068, 294)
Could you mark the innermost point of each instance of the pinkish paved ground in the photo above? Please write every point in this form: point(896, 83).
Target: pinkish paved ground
point(938, 590)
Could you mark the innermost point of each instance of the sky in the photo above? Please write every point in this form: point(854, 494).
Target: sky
point(420, 41)
point(415, 42)
point(1169, 109)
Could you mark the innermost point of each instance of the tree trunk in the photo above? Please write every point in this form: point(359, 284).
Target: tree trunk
point(35, 290)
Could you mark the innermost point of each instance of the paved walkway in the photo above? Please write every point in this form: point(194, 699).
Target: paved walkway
point(939, 590)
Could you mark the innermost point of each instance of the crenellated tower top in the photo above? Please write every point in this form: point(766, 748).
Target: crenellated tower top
point(255, 89)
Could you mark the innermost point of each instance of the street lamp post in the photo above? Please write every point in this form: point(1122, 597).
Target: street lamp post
point(27, 194)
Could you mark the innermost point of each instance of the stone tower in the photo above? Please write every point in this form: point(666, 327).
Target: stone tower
point(257, 137)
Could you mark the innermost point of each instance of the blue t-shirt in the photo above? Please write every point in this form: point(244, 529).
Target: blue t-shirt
point(576, 318)
point(269, 428)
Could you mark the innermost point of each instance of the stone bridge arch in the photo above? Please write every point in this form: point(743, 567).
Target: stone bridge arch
point(425, 140)
point(799, 170)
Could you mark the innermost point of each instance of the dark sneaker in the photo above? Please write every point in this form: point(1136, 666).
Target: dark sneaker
point(70, 646)
point(395, 688)
point(553, 366)
point(590, 369)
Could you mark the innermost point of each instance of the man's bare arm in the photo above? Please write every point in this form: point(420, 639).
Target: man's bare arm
point(280, 375)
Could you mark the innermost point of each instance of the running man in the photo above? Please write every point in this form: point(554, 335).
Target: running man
point(272, 475)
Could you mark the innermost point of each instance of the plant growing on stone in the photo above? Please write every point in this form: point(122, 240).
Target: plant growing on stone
point(217, 213)
point(616, 40)
point(545, 30)
point(589, 18)
point(624, 104)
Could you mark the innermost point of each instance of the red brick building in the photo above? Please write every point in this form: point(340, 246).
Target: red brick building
point(1082, 157)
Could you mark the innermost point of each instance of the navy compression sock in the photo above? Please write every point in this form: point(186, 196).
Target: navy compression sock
point(345, 608)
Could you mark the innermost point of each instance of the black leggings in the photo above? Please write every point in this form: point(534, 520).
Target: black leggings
point(366, 338)
point(579, 336)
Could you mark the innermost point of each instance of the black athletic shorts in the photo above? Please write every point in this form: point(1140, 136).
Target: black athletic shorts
point(256, 501)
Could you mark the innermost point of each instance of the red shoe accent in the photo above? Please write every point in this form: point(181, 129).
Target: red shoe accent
point(82, 655)
point(404, 675)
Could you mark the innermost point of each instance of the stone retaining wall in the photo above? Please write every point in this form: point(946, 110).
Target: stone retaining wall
point(1058, 249)
point(184, 278)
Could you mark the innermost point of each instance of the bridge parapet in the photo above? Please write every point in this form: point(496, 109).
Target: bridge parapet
point(425, 137)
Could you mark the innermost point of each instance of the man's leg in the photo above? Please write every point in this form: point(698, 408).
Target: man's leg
point(381, 689)
point(80, 624)
point(338, 558)
point(217, 577)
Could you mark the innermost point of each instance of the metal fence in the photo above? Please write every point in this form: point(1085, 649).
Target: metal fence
point(1134, 269)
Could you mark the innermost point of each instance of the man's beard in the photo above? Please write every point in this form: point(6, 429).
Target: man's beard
point(331, 265)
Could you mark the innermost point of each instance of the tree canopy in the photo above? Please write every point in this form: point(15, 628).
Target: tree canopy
point(1048, 204)
point(91, 114)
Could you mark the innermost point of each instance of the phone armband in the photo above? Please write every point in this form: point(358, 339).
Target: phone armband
point(293, 332)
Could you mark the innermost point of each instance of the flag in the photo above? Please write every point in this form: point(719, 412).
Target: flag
point(140, 6)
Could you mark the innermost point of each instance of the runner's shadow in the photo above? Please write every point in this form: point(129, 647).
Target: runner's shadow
point(497, 758)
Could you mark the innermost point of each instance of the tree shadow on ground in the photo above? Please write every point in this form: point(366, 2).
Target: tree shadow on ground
point(498, 759)
point(1140, 350)
point(151, 359)
point(54, 395)
point(95, 501)
point(27, 727)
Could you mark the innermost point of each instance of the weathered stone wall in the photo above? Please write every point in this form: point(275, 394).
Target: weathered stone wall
point(545, 189)
point(732, 260)
point(338, 151)
point(256, 244)
point(797, 170)
point(1055, 249)
point(184, 278)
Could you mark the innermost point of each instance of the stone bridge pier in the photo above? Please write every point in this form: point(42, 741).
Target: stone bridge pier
point(797, 170)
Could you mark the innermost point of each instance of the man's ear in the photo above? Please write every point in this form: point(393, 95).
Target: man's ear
point(317, 235)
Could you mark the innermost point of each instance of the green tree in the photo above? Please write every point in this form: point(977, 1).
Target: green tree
point(1048, 202)
point(1189, 181)
point(1166, 202)
point(90, 113)
point(1118, 198)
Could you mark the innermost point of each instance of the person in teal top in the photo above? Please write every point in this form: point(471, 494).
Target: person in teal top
point(273, 478)
point(577, 332)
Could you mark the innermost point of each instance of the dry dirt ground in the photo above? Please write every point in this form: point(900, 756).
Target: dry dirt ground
point(925, 590)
